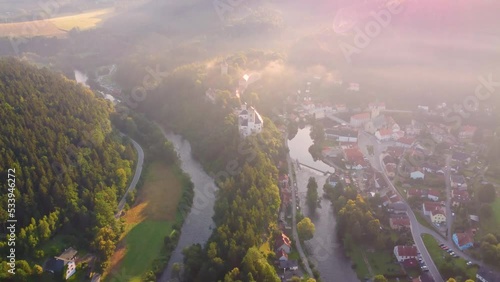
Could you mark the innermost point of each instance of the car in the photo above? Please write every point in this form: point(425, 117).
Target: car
point(455, 256)
point(452, 253)
point(441, 244)
point(469, 263)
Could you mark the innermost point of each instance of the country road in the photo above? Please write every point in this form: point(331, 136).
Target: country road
point(137, 175)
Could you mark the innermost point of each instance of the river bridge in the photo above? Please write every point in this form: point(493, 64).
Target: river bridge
point(313, 168)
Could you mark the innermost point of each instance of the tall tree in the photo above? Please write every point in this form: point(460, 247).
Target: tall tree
point(312, 194)
point(306, 229)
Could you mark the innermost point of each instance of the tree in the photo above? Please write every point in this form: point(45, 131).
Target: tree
point(256, 264)
point(486, 211)
point(451, 280)
point(486, 193)
point(306, 229)
point(176, 270)
point(379, 278)
point(312, 194)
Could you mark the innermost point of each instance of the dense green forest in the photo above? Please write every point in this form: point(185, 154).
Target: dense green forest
point(245, 169)
point(71, 167)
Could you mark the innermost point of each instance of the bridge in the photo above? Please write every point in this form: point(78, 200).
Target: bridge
point(336, 119)
point(313, 168)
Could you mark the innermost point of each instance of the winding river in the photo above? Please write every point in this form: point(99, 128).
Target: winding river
point(325, 252)
point(198, 225)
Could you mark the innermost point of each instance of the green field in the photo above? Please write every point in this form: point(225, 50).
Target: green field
point(440, 257)
point(146, 224)
point(492, 225)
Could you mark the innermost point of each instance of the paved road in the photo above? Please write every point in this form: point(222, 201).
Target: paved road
point(416, 231)
point(294, 223)
point(137, 175)
point(449, 214)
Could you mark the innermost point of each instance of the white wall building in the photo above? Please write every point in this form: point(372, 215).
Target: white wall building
point(249, 121)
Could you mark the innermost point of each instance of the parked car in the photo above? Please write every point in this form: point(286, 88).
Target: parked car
point(469, 263)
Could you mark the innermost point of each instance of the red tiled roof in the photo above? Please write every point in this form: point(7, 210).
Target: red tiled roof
point(464, 238)
point(361, 116)
point(468, 129)
point(407, 251)
point(433, 192)
point(431, 206)
point(406, 140)
point(402, 221)
point(415, 192)
point(385, 132)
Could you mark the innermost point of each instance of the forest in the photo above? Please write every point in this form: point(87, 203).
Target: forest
point(71, 166)
point(245, 170)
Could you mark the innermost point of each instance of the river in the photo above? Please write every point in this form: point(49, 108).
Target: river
point(198, 225)
point(82, 78)
point(326, 253)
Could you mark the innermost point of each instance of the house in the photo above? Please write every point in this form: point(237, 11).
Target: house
point(432, 168)
point(461, 158)
point(250, 121)
point(283, 180)
point(398, 223)
point(417, 175)
point(487, 275)
point(376, 105)
point(458, 196)
point(458, 181)
point(433, 195)
point(354, 159)
point(333, 180)
point(395, 151)
point(282, 255)
point(467, 132)
point(341, 107)
point(438, 216)
point(463, 240)
point(384, 134)
point(342, 135)
point(64, 263)
point(435, 211)
point(397, 208)
point(403, 253)
point(359, 120)
point(289, 264)
point(283, 243)
point(405, 142)
point(417, 193)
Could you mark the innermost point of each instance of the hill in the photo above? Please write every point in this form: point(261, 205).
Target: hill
point(70, 165)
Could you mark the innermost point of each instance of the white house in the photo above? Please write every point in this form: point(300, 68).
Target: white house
point(250, 121)
point(403, 253)
point(417, 175)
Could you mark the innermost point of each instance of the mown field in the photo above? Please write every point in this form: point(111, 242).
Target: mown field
point(146, 224)
point(440, 257)
point(492, 225)
point(57, 26)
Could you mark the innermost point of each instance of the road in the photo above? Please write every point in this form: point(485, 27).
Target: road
point(137, 175)
point(294, 211)
point(416, 228)
point(449, 214)
point(416, 231)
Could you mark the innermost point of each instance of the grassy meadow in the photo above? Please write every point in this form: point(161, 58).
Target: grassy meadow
point(146, 224)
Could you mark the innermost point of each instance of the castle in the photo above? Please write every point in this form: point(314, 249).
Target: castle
point(249, 121)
